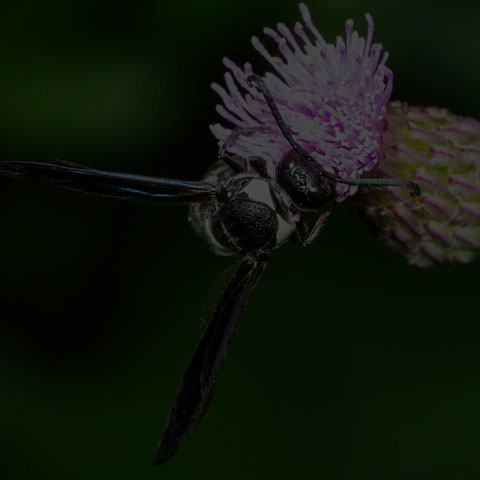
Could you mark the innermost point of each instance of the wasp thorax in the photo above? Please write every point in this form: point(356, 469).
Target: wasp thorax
point(247, 216)
point(243, 225)
point(304, 181)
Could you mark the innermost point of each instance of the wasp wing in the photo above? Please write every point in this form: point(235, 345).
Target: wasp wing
point(198, 382)
point(112, 184)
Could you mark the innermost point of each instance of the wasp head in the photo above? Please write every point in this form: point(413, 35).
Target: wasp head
point(304, 181)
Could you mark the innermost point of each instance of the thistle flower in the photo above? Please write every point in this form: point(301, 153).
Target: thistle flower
point(334, 99)
point(332, 96)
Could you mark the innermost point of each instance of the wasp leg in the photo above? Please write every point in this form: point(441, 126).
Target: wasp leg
point(238, 132)
point(259, 164)
point(301, 233)
point(305, 235)
point(236, 162)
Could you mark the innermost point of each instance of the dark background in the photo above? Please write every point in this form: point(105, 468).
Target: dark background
point(348, 364)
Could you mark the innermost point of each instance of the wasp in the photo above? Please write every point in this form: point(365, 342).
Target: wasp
point(240, 210)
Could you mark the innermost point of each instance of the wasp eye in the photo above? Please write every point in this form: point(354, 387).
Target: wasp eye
point(303, 180)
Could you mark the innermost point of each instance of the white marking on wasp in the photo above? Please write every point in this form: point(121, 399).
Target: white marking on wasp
point(258, 190)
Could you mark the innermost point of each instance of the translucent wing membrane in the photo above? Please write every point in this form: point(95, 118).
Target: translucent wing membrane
point(112, 184)
point(197, 384)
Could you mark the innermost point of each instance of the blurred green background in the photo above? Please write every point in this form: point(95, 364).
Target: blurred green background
point(348, 364)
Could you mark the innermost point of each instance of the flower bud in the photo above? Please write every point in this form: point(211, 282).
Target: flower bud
point(441, 152)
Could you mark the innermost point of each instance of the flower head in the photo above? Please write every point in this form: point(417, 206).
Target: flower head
point(441, 152)
point(332, 97)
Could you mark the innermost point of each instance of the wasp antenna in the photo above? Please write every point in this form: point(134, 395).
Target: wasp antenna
point(260, 84)
point(384, 182)
point(379, 182)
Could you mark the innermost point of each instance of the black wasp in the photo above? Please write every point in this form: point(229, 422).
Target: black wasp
point(241, 211)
